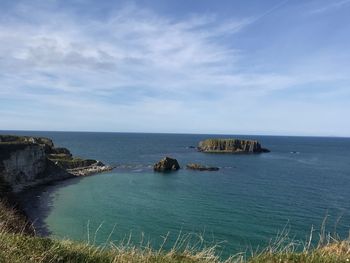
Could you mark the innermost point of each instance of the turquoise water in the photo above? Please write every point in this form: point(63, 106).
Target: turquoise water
point(243, 205)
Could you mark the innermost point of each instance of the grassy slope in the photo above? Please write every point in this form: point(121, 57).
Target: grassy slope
point(328, 254)
point(20, 245)
point(10, 220)
point(21, 248)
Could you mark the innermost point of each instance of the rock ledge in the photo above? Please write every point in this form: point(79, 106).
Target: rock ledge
point(199, 167)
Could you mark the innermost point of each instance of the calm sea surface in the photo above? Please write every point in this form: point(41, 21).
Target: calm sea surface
point(245, 204)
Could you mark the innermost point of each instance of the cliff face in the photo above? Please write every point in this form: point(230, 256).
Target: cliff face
point(28, 161)
point(24, 162)
point(230, 146)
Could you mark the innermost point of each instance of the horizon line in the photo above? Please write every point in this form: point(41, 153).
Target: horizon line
point(183, 133)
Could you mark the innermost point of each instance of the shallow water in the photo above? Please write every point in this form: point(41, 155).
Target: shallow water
point(244, 204)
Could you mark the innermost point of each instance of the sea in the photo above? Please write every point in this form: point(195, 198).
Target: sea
point(300, 188)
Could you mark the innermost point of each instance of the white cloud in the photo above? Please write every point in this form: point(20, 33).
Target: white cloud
point(331, 5)
point(132, 71)
point(134, 47)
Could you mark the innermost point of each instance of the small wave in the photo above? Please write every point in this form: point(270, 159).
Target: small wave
point(130, 166)
point(134, 167)
point(228, 167)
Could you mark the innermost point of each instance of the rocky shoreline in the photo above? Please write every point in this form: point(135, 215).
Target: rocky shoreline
point(89, 170)
point(30, 161)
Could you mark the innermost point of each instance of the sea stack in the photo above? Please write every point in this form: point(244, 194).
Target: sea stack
point(230, 146)
point(167, 164)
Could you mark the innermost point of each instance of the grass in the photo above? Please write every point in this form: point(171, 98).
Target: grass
point(19, 245)
point(334, 252)
point(22, 248)
point(13, 221)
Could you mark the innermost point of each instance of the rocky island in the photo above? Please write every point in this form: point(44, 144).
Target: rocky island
point(230, 146)
point(167, 164)
point(200, 167)
point(28, 161)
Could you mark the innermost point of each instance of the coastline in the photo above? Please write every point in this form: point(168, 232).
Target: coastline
point(32, 203)
point(36, 203)
point(28, 163)
point(183, 182)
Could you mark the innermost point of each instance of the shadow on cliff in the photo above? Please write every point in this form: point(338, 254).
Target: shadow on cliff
point(37, 202)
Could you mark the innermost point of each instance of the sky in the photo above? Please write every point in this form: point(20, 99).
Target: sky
point(272, 67)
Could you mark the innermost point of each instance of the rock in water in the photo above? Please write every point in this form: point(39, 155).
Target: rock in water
point(230, 146)
point(199, 167)
point(166, 164)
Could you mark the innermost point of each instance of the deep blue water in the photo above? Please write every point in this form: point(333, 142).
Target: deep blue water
point(244, 204)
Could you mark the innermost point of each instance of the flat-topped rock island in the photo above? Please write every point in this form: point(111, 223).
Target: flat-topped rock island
point(230, 146)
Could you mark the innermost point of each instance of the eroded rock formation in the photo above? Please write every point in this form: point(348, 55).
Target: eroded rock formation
point(166, 164)
point(230, 146)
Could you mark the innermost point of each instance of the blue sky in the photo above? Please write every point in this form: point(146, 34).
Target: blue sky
point(232, 67)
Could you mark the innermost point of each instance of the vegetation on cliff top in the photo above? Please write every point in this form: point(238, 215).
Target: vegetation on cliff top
point(230, 146)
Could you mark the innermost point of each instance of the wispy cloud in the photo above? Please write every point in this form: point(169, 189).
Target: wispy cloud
point(135, 68)
point(132, 48)
point(331, 5)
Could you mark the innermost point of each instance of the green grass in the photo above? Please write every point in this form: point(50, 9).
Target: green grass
point(335, 252)
point(314, 257)
point(19, 245)
point(21, 248)
point(11, 221)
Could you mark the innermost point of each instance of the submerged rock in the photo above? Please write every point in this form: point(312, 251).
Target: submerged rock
point(199, 167)
point(166, 164)
point(230, 146)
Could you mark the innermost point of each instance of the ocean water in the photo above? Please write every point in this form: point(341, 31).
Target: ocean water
point(302, 181)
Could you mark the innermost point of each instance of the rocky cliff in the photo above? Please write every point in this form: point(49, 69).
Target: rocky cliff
point(230, 146)
point(28, 161)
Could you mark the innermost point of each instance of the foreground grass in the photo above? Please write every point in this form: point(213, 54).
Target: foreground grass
point(20, 245)
point(12, 221)
point(328, 254)
point(23, 248)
